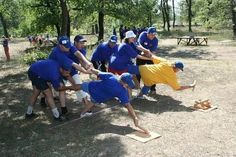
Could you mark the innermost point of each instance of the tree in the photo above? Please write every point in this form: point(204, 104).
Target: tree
point(10, 15)
point(233, 8)
point(65, 24)
point(173, 8)
point(189, 4)
point(165, 14)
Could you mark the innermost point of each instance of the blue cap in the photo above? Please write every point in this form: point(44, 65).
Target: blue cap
point(179, 65)
point(63, 40)
point(79, 38)
point(152, 30)
point(127, 78)
point(113, 39)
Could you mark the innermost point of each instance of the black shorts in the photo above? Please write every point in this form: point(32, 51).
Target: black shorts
point(38, 82)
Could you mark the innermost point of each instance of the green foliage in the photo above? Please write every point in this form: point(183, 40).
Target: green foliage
point(34, 55)
point(214, 14)
point(12, 14)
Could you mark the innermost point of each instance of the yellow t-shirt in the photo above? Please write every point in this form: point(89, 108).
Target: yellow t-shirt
point(159, 72)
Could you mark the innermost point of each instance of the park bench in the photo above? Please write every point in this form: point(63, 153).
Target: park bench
point(192, 40)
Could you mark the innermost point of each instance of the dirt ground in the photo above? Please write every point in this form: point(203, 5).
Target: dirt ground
point(184, 132)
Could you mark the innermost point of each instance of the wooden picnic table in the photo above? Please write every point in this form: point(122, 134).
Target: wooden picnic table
point(192, 40)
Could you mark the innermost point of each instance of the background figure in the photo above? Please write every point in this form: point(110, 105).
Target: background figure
point(102, 54)
point(6, 47)
point(149, 41)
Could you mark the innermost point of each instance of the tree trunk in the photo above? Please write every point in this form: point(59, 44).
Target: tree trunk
point(173, 7)
point(233, 7)
point(150, 19)
point(101, 21)
point(4, 25)
point(68, 27)
point(64, 17)
point(163, 15)
point(189, 4)
point(166, 11)
point(58, 30)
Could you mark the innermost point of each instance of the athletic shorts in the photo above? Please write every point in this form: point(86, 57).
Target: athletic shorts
point(38, 82)
point(85, 88)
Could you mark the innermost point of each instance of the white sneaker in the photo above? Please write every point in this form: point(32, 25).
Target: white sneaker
point(86, 114)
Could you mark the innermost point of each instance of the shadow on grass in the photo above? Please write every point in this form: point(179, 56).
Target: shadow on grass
point(163, 104)
point(194, 53)
point(93, 136)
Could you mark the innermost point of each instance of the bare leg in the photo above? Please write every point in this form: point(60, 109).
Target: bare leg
point(88, 106)
point(33, 100)
point(51, 103)
point(34, 97)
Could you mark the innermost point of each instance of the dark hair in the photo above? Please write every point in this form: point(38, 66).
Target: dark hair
point(126, 40)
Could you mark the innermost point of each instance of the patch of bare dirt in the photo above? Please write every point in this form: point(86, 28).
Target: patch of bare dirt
point(184, 132)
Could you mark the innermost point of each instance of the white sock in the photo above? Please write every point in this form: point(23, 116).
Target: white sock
point(29, 110)
point(55, 113)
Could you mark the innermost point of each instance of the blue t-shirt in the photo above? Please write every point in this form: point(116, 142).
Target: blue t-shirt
point(107, 88)
point(5, 43)
point(121, 59)
point(61, 57)
point(48, 70)
point(103, 52)
point(72, 55)
point(147, 43)
point(74, 58)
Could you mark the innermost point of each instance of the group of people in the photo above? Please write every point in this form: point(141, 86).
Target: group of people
point(112, 63)
point(38, 40)
point(124, 29)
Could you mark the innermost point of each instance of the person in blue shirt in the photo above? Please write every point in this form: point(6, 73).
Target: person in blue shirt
point(101, 55)
point(61, 53)
point(108, 87)
point(119, 61)
point(149, 41)
point(41, 73)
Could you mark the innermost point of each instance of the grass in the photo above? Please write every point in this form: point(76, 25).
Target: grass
point(217, 35)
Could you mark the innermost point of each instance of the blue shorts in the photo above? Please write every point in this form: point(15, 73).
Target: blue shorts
point(38, 82)
point(84, 87)
point(133, 69)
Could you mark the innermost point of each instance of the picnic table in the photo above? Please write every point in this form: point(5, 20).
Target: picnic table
point(192, 40)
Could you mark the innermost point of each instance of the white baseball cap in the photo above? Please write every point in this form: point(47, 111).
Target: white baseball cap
point(129, 34)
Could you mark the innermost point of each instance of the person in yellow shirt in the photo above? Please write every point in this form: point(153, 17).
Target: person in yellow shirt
point(162, 71)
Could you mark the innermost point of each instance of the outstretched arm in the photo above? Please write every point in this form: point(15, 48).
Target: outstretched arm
point(134, 117)
point(144, 58)
point(80, 68)
point(189, 86)
point(85, 63)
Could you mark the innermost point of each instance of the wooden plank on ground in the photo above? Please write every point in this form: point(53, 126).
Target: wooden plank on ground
point(142, 137)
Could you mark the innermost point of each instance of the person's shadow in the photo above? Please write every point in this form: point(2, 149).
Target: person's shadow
point(162, 104)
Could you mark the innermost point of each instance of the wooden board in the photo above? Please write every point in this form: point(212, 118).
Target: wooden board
point(208, 110)
point(142, 137)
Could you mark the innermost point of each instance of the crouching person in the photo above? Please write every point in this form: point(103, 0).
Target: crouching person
point(109, 86)
point(162, 71)
point(42, 74)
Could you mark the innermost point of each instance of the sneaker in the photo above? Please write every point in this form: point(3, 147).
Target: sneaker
point(86, 114)
point(61, 118)
point(29, 116)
